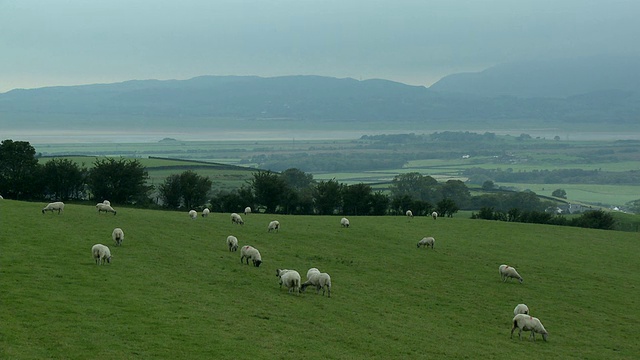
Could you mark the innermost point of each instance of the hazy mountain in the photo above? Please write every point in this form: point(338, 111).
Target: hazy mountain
point(553, 78)
point(315, 99)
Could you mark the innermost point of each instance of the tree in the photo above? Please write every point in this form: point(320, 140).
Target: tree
point(299, 198)
point(488, 185)
point(327, 196)
point(634, 206)
point(170, 191)
point(446, 207)
point(18, 169)
point(64, 180)
point(269, 189)
point(414, 185)
point(379, 203)
point(120, 181)
point(194, 189)
point(595, 219)
point(456, 191)
point(559, 193)
point(356, 199)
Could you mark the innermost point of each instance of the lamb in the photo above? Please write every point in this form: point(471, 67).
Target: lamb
point(249, 252)
point(205, 212)
point(101, 254)
point(409, 214)
point(427, 242)
point(274, 225)
point(236, 219)
point(58, 205)
point(118, 236)
point(508, 272)
point(344, 222)
point(247, 210)
point(528, 323)
point(104, 207)
point(319, 280)
point(290, 279)
point(193, 214)
point(232, 243)
point(521, 309)
point(434, 215)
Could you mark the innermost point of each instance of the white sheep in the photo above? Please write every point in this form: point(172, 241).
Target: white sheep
point(118, 236)
point(274, 225)
point(58, 205)
point(193, 214)
point(521, 309)
point(507, 272)
point(427, 242)
point(409, 214)
point(104, 207)
point(101, 254)
point(1, 198)
point(106, 202)
point(249, 252)
point(319, 280)
point(205, 212)
point(236, 219)
point(528, 323)
point(344, 222)
point(247, 210)
point(232, 243)
point(434, 215)
point(290, 279)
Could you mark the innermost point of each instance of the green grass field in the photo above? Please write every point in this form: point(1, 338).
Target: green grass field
point(173, 290)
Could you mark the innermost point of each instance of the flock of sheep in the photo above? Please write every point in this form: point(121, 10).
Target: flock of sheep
point(321, 281)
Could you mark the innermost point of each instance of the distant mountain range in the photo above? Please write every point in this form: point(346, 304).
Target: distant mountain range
point(597, 91)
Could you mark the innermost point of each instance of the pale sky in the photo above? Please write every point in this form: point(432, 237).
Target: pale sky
point(72, 42)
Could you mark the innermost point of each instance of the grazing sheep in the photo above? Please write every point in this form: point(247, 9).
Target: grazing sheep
point(232, 243)
point(521, 309)
point(193, 214)
point(508, 272)
point(274, 225)
point(236, 219)
point(434, 215)
point(319, 280)
point(409, 214)
point(344, 222)
point(249, 252)
point(290, 279)
point(1, 198)
point(58, 205)
point(247, 210)
point(205, 212)
point(528, 323)
point(101, 254)
point(106, 202)
point(104, 207)
point(427, 242)
point(118, 236)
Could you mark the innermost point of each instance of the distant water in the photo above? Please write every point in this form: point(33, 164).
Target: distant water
point(66, 137)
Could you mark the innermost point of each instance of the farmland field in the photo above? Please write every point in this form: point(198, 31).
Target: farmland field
point(173, 290)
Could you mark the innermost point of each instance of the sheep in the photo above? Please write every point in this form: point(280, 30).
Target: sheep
point(193, 214)
point(528, 323)
point(409, 214)
point(427, 242)
point(247, 210)
point(290, 279)
point(319, 280)
point(249, 252)
point(521, 309)
point(106, 202)
point(106, 208)
point(101, 254)
point(274, 225)
point(232, 243)
point(434, 215)
point(508, 272)
point(236, 219)
point(58, 205)
point(205, 212)
point(118, 236)
point(344, 222)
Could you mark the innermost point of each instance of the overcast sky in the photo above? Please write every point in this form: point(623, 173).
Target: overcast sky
point(68, 42)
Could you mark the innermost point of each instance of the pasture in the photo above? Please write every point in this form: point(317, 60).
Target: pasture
point(173, 290)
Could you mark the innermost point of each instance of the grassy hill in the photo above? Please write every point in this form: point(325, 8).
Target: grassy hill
point(173, 290)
